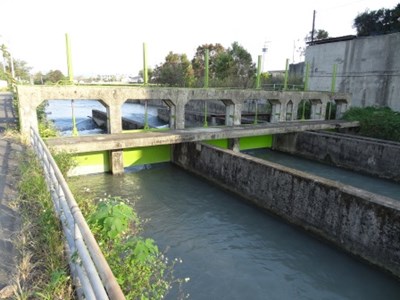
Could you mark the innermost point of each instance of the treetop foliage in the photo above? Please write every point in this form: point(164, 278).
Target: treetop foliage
point(375, 22)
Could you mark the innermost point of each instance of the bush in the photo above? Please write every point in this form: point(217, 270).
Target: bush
point(376, 122)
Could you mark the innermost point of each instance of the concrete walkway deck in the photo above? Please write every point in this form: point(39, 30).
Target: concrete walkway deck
point(117, 141)
point(9, 218)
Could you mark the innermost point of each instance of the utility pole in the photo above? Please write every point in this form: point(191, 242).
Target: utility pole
point(313, 28)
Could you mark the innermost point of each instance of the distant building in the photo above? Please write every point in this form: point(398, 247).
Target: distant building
point(367, 67)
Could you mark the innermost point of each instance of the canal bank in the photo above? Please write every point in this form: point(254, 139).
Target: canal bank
point(362, 223)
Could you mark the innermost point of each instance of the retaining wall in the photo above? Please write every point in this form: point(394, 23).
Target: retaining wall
point(366, 155)
point(362, 223)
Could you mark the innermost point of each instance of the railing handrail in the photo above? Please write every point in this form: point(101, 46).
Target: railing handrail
point(93, 260)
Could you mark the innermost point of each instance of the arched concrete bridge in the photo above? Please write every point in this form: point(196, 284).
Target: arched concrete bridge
point(283, 119)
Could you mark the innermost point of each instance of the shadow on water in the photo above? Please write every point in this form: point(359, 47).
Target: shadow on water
point(232, 250)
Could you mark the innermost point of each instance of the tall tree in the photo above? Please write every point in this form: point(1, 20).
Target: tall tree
point(198, 59)
point(235, 66)
point(379, 21)
point(175, 71)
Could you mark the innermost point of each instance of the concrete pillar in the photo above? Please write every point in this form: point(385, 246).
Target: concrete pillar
point(234, 144)
point(114, 117)
point(289, 111)
point(28, 101)
point(180, 115)
point(316, 109)
point(233, 112)
point(341, 107)
point(275, 110)
point(117, 162)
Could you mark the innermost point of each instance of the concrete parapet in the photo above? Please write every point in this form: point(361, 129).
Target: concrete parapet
point(366, 155)
point(285, 104)
point(362, 223)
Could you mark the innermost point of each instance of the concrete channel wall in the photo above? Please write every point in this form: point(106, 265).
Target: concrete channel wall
point(366, 155)
point(362, 223)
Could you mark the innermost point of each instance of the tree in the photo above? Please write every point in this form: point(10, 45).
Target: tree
point(319, 34)
point(175, 71)
point(235, 67)
point(21, 68)
point(198, 59)
point(150, 72)
point(380, 21)
point(54, 76)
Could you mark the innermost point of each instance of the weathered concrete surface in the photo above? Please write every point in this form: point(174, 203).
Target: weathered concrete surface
point(100, 118)
point(112, 97)
point(367, 67)
point(133, 140)
point(366, 155)
point(9, 217)
point(362, 223)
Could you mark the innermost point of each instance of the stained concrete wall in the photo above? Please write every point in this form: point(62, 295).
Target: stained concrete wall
point(366, 155)
point(357, 221)
point(367, 67)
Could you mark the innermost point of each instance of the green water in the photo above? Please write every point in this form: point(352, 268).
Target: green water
point(232, 250)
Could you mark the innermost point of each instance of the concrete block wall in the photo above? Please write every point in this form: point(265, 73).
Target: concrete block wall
point(366, 155)
point(362, 223)
point(367, 67)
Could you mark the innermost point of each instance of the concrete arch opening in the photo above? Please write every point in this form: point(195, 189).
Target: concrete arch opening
point(202, 113)
point(256, 111)
point(72, 117)
point(144, 114)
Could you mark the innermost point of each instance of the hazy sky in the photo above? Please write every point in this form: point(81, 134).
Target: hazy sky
point(107, 35)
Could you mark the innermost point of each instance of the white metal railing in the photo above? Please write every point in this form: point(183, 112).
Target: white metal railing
point(91, 273)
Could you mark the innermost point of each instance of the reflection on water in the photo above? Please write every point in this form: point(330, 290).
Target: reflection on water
point(372, 184)
point(232, 250)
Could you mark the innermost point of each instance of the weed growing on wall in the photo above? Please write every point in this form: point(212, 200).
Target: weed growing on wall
point(376, 122)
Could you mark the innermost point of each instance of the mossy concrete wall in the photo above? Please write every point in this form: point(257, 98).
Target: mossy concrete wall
point(362, 223)
point(366, 155)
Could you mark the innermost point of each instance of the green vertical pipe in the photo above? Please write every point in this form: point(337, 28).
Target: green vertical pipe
point(146, 118)
point(145, 71)
point(333, 84)
point(286, 75)
point(69, 59)
point(206, 67)
point(205, 114)
point(258, 81)
point(307, 75)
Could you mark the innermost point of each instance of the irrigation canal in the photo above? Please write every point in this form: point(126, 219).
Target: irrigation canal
point(232, 250)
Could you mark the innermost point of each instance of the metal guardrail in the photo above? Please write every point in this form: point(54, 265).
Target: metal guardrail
point(92, 275)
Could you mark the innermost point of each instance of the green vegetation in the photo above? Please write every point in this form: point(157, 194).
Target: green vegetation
point(42, 271)
point(139, 266)
point(376, 22)
point(380, 123)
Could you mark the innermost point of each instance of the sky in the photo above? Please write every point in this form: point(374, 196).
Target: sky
point(107, 36)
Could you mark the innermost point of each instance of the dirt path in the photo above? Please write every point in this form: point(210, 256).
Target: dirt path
point(9, 219)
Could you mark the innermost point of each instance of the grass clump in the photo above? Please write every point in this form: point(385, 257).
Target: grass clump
point(376, 122)
point(42, 268)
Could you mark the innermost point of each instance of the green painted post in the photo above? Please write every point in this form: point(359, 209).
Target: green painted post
point(333, 87)
point(206, 67)
point(305, 89)
point(69, 60)
point(307, 75)
point(146, 119)
point(258, 81)
point(145, 71)
point(286, 75)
